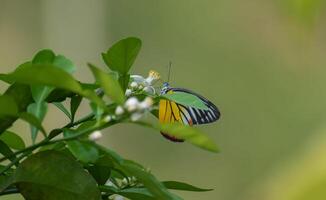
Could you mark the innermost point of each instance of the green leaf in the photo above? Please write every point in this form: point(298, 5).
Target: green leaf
point(124, 81)
point(122, 55)
point(61, 107)
point(39, 111)
point(130, 193)
point(101, 170)
point(40, 93)
point(53, 175)
point(74, 105)
point(82, 150)
point(6, 79)
point(59, 95)
point(110, 153)
point(109, 84)
point(32, 120)
point(7, 152)
point(12, 140)
point(58, 146)
point(91, 95)
point(190, 134)
point(47, 56)
point(137, 194)
point(64, 64)
point(44, 74)
point(156, 188)
point(7, 105)
point(22, 96)
point(44, 56)
point(186, 99)
point(175, 185)
point(5, 181)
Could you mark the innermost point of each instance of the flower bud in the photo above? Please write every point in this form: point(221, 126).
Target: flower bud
point(147, 103)
point(96, 135)
point(119, 110)
point(107, 118)
point(133, 85)
point(128, 92)
point(132, 104)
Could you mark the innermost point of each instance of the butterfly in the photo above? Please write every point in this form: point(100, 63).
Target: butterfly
point(171, 112)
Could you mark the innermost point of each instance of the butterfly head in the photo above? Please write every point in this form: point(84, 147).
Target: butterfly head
point(165, 87)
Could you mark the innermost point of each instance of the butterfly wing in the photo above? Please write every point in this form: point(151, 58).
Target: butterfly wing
point(171, 112)
point(199, 116)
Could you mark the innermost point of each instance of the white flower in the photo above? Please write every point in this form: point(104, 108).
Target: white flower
point(150, 80)
point(136, 116)
point(137, 78)
point(149, 89)
point(96, 135)
point(107, 118)
point(140, 87)
point(128, 92)
point(134, 85)
point(147, 103)
point(119, 110)
point(152, 77)
point(132, 104)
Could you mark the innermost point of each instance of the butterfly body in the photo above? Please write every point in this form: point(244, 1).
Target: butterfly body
point(172, 112)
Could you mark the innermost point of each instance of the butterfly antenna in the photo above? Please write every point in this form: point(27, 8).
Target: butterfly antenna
point(169, 71)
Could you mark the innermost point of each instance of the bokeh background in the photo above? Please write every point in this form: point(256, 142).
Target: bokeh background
point(261, 61)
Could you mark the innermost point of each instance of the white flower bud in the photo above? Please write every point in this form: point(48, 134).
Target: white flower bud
point(149, 89)
point(133, 85)
point(147, 103)
point(132, 104)
point(128, 92)
point(119, 110)
point(107, 118)
point(140, 87)
point(136, 116)
point(96, 135)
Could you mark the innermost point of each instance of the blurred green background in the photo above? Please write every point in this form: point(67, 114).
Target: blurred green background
point(261, 61)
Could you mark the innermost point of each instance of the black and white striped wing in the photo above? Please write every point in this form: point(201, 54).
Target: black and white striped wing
point(198, 116)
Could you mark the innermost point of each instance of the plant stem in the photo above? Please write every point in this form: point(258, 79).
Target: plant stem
point(47, 140)
point(15, 162)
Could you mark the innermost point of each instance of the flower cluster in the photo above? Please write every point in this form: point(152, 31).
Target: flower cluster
point(132, 106)
point(135, 107)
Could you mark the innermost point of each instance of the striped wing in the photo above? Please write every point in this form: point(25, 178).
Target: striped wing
point(171, 112)
point(199, 116)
